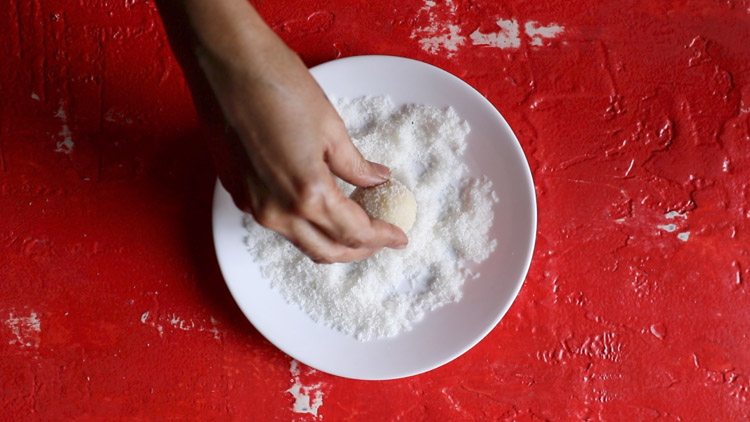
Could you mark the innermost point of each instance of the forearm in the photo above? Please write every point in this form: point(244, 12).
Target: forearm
point(231, 32)
point(237, 51)
point(216, 39)
point(286, 140)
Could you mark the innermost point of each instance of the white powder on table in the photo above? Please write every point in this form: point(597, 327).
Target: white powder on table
point(391, 291)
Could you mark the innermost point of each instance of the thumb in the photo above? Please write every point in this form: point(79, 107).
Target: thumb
point(346, 162)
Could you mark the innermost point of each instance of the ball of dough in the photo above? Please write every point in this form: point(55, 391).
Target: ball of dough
point(391, 202)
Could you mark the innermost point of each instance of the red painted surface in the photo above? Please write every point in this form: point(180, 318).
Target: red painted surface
point(112, 304)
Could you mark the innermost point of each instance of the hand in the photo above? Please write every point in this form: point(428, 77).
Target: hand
point(285, 145)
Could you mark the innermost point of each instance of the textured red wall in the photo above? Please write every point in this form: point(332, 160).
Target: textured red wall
point(635, 118)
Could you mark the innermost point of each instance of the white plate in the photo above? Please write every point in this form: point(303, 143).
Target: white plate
point(448, 332)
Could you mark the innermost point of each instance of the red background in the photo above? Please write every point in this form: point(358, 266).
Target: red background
point(112, 304)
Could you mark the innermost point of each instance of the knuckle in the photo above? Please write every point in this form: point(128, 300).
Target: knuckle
point(310, 197)
point(266, 216)
point(335, 128)
point(354, 240)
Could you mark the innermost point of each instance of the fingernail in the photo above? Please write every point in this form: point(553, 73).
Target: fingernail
point(382, 171)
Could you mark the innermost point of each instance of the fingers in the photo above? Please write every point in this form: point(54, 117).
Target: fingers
point(321, 221)
point(345, 222)
point(309, 239)
point(319, 247)
point(334, 216)
point(353, 227)
point(346, 162)
point(325, 233)
point(394, 235)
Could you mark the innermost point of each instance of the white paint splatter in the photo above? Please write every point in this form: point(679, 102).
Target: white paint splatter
point(670, 228)
point(34, 96)
point(509, 34)
point(540, 33)
point(214, 328)
point(667, 227)
point(144, 320)
point(449, 42)
point(443, 34)
point(25, 329)
point(183, 324)
point(301, 393)
point(60, 113)
point(726, 165)
point(506, 37)
point(437, 35)
point(677, 226)
point(673, 214)
point(117, 116)
point(65, 145)
point(180, 323)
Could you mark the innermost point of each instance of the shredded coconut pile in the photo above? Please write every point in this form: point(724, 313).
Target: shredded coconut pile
point(391, 291)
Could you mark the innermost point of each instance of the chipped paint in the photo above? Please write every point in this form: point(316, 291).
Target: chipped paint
point(507, 37)
point(158, 327)
point(669, 228)
point(307, 398)
point(448, 42)
point(540, 34)
point(674, 214)
point(179, 323)
point(66, 144)
point(443, 34)
point(25, 329)
point(439, 34)
point(673, 227)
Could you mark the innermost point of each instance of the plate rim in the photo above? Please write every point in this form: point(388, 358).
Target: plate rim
point(529, 252)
